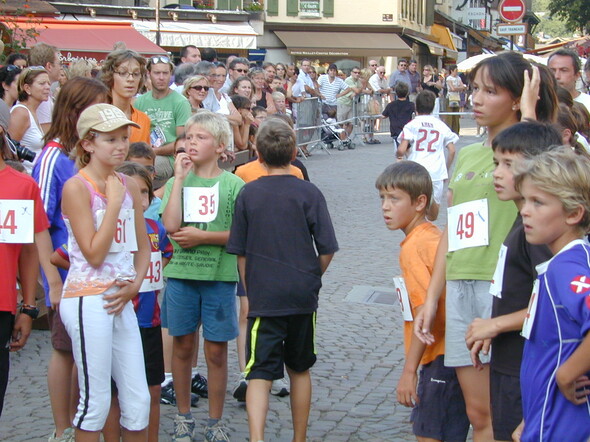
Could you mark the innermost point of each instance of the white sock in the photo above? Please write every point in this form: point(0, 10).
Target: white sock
point(167, 379)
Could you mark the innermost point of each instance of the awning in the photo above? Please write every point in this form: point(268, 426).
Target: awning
point(202, 35)
point(444, 36)
point(86, 39)
point(435, 48)
point(342, 44)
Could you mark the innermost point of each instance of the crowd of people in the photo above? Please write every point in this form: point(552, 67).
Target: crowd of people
point(125, 188)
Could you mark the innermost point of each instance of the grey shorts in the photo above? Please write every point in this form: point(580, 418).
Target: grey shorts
point(466, 300)
point(344, 112)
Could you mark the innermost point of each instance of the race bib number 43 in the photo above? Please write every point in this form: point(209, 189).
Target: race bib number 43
point(17, 221)
point(468, 225)
point(201, 204)
point(153, 279)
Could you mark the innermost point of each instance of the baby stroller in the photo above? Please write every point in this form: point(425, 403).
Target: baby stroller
point(334, 136)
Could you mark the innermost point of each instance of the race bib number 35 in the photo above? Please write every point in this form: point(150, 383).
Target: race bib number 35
point(201, 204)
point(468, 225)
point(125, 239)
point(17, 221)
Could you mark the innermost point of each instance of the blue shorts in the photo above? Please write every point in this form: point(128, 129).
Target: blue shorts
point(188, 303)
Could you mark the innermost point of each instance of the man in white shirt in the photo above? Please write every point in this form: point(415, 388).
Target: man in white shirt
point(331, 88)
point(47, 56)
point(305, 71)
point(565, 65)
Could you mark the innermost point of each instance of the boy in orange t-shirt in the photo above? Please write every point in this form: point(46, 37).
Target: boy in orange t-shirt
point(405, 189)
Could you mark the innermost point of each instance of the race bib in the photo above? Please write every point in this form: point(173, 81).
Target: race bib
point(201, 204)
point(125, 239)
point(17, 221)
point(153, 279)
point(529, 320)
point(498, 279)
point(403, 298)
point(468, 225)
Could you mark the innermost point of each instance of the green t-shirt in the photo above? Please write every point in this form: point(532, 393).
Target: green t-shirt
point(472, 180)
point(206, 262)
point(346, 100)
point(167, 113)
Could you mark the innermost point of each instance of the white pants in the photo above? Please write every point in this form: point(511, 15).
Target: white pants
point(106, 346)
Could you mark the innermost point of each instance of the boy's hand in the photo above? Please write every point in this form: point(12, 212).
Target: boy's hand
point(577, 391)
point(227, 155)
point(121, 297)
point(516, 434)
point(115, 190)
point(55, 291)
point(182, 165)
point(479, 330)
point(478, 347)
point(21, 331)
point(188, 237)
point(406, 390)
point(423, 322)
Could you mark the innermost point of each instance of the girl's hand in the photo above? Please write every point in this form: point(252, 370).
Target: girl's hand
point(115, 190)
point(576, 392)
point(516, 434)
point(477, 348)
point(118, 300)
point(423, 323)
point(530, 94)
point(182, 165)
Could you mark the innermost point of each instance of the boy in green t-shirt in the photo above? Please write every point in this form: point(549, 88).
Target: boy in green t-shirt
point(197, 211)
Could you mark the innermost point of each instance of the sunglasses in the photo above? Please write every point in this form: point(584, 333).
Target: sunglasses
point(200, 88)
point(12, 68)
point(160, 59)
point(242, 71)
point(373, 65)
point(356, 72)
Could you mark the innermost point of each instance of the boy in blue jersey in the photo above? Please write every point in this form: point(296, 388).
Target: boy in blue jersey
point(513, 280)
point(556, 361)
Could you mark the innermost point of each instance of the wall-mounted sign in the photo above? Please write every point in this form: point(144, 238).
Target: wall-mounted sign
point(309, 8)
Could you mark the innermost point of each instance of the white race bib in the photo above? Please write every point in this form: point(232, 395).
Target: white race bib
point(153, 279)
point(402, 296)
point(498, 279)
point(468, 225)
point(17, 221)
point(529, 320)
point(125, 239)
point(201, 204)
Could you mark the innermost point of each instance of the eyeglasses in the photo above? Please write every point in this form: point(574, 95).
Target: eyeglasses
point(160, 59)
point(216, 75)
point(373, 65)
point(12, 68)
point(200, 88)
point(404, 65)
point(381, 72)
point(150, 169)
point(356, 72)
point(125, 74)
point(242, 71)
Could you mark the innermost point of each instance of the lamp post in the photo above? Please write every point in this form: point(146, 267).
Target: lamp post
point(158, 22)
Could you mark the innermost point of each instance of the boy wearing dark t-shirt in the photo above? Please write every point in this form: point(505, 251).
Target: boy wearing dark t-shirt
point(279, 223)
point(399, 111)
point(513, 280)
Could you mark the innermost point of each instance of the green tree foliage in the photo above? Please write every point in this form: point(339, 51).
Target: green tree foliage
point(575, 13)
point(20, 29)
point(552, 26)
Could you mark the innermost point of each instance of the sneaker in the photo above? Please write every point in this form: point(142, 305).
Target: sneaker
point(67, 436)
point(216, 433)
point(168, 396)
point(199, 385)
point(184, 429)
point(241, 388)
point(280, 388)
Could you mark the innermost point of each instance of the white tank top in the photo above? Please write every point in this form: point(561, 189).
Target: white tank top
point(32, 138)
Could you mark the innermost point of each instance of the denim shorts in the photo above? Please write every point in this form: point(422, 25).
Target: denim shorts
point(188, 303)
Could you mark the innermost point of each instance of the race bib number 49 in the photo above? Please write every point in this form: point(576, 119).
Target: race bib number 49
point(17, 221)
point(201, 204)
point(125, 239)
point(468, 225)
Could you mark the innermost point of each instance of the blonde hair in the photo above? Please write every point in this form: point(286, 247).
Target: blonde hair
point(215, 124)
point(191, 81)
point(564, 174)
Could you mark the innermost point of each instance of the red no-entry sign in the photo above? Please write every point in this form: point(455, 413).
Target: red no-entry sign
point(511, 10)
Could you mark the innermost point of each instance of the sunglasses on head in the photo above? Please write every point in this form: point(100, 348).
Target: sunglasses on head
point(160, 59)
point(12, 68)
point(200, 88)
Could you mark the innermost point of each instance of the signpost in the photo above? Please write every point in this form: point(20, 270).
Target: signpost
point(512, 29)
point(512, 11)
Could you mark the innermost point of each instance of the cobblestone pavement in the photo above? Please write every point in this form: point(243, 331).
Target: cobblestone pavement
point(360, 349)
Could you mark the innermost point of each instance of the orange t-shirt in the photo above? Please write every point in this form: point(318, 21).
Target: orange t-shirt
point(143, 132)
point(416, 261)
point(254, 169)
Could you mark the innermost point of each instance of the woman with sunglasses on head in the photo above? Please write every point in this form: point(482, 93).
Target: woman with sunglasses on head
point(34, 88)
point(242, 86)
point(9, 80)
point(123, 72)
point(260, 96)
point(196, 90)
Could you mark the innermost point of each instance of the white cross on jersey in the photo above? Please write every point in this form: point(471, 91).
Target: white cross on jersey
point(580, 284)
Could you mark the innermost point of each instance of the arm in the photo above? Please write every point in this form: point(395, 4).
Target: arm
point(58, 261)
point(76, 205)
point(172, 215)
point(242, 270)
point(402, 149)
point(270, 104)
point(188, 237)
point(451, 155)
point(489, 328)
point(406, 387)
point(571, 378)
point(530, 95)
point(344, 92)
point(28, 269)
point(45, 250)
point(141, 259)
point(325, 262)
point(424, 319)
point(19, 123)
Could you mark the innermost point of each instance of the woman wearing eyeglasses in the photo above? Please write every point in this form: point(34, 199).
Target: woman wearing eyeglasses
point(34, 88)
point(123, 72)
point(196, 90)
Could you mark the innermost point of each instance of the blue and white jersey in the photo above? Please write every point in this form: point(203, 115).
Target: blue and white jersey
point(561, 322)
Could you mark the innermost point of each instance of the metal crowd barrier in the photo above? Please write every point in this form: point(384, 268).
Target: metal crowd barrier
point(309, 125)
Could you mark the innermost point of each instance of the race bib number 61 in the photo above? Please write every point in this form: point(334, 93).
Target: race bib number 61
point(17, 221)
point(468, 225)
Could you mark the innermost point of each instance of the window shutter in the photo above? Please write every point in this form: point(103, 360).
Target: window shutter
point(235, 4)
point(328, 8)
point(272, 7)
point(429, 15)
point(223, 5)
point(292, 7)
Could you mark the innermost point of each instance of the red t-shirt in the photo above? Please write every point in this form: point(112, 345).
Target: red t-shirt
point(16, 186)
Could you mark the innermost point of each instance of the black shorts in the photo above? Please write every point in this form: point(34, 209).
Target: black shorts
point(60, 340)
point(153, 354)
point(506, 404)
point(277, 341)
point(6, 326)
point(441, 412)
